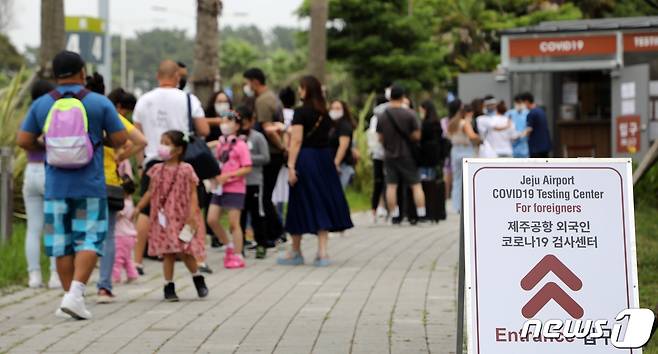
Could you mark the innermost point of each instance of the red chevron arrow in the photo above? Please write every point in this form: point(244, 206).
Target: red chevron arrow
point(550, 263)
point(548, 292)
point(551, 290)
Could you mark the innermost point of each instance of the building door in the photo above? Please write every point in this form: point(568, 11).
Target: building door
point(630, 112)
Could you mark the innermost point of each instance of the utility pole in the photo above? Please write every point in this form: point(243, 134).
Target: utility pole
point(123, 62)
point(106, 68)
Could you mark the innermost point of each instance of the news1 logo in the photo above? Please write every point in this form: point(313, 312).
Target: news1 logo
point(631, 329)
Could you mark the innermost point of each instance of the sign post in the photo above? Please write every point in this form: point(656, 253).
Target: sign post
point(550, 248)
point(86, 36)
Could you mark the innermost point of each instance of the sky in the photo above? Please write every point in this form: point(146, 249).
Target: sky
point(129, 16)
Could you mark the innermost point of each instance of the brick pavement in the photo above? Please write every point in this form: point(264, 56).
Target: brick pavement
point(389, 290)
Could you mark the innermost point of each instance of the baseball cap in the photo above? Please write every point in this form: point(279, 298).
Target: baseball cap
point(67, 63)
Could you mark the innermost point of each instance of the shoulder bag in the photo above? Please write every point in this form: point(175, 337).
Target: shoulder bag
point(198, 153)
point(414, 147)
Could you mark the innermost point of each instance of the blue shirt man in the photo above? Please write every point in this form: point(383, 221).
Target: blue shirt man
point(75, 206)
point(88, 181)
point(519, 116)
point(539, 139)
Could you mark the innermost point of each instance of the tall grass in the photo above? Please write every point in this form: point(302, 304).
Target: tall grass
point(12, 110)
point(14, 265)
point(363, 178)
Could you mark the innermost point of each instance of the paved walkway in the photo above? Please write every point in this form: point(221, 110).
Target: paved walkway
point(390, 290)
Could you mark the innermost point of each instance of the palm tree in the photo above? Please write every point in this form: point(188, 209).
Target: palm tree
point(318, 39)
point(206, 49)
point(53, 38)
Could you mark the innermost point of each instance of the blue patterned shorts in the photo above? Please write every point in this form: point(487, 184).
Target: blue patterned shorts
point(73, 225)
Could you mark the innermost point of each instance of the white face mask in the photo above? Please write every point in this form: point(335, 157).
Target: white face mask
point(336, 114)
point(387, 94)
point(226, 128)
point(405, 106)
point(520, 107)
point(248, 91)
point(221, 107)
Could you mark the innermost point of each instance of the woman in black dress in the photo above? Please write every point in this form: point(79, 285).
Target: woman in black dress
point(316, 204)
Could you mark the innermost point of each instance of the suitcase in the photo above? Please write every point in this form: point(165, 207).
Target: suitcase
point(435, 201)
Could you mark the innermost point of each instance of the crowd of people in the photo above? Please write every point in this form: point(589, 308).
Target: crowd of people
point(89, 154)
point(124, 178)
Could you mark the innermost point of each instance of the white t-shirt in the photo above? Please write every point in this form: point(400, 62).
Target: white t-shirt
point(164, 109)
point(500, 140)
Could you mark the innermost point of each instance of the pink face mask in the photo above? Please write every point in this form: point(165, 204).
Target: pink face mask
point(164, 151)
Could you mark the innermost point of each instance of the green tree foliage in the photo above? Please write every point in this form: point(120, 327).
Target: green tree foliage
point(147, 50)
point(10, 59)
point(278, 53)
point(471, 28)
point(427, 44)
point(379, 44)
point(615, 8)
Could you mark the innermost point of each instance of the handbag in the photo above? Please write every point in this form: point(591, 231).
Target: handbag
point(115, 198)
point(414, 147)
point(198, 153)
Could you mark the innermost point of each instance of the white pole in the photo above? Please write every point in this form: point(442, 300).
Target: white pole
point(106, 68)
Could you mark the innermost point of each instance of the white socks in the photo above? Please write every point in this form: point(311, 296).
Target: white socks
point(396, 212)
point(421, 212)
point(77, 289)
point(230, 245)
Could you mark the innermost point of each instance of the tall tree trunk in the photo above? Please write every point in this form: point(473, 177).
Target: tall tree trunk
point(318, 39)
point(53, 38)
point(206, 52)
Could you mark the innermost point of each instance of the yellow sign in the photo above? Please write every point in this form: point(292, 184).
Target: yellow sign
point(84, 24)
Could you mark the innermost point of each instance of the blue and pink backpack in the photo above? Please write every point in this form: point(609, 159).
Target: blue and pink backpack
point(66, 131)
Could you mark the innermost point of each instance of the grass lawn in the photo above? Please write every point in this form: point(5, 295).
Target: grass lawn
point(358, 201)
point(13, 269)
point(646, 229)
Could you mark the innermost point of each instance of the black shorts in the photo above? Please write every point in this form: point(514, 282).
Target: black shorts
point(399, 171)
point(144, 185)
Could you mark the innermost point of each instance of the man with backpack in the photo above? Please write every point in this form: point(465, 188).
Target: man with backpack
point(69, 123)
point(399, 132)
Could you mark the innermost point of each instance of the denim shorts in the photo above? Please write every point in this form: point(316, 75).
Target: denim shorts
point(75, 224)
point(229, 200)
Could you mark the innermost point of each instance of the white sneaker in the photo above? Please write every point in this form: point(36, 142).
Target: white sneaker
point(54, 282)
point(381, 212)
point(75, 307)
point(61, 314)
point(35, 280)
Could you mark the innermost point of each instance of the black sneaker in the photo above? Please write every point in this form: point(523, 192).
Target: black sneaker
point(396, 220)
point(252, 247)
point(214, 242)
point(140, 269)
point(413, 221)
point(203, 268)
point(261, 252)
point(200, 285)
point(170, 293)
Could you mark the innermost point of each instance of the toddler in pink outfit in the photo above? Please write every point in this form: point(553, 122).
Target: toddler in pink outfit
point(125, 235)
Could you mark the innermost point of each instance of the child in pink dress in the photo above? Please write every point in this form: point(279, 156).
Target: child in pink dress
point(175, 213)
point(235, 159)
point(125, 232)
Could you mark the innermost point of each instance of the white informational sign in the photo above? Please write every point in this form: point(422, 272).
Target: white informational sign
point(628, 107)
point(548, 239)
point(570, 93)
point(628, 90)
point(653, 88)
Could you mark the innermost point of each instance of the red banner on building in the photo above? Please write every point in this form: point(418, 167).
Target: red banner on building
point(641, 42)
point(563, 46)
point(628, 134)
